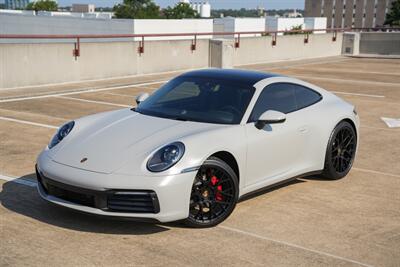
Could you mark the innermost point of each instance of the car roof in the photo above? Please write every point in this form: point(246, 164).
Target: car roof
point(235, 75)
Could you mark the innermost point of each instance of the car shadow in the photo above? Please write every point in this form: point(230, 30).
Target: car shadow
point(26, 201)
point(269, 189)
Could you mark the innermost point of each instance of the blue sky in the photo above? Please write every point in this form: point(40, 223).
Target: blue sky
point(235, 4)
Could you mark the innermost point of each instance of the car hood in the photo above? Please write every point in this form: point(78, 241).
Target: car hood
point(105, 143)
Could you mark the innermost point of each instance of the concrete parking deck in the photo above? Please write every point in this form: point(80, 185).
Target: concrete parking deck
point(308, 222)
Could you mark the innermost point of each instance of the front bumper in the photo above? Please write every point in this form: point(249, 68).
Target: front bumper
point(162, 198)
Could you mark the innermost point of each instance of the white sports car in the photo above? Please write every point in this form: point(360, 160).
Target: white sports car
point(199, 143)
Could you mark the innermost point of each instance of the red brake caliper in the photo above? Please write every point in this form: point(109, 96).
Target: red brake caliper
point(218, 195)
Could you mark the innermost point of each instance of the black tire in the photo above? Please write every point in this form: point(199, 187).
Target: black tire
point(340, 152)
point(212, 199)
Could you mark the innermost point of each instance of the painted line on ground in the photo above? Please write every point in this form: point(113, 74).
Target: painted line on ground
point(293, 64)
point(357, 94)
point(292, 245)
point(116, 94)
point(93, 101)
point(345, 80)
point(29, 122)
point(377, 128)
point(376, 172)
point(22, 181)
point(75, 92)
point(344, 70)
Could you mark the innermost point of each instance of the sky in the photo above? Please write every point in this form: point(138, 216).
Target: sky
point(215, 4)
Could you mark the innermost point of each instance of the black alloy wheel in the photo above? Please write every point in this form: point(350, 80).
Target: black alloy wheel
point(214, 194)
point(341, 151)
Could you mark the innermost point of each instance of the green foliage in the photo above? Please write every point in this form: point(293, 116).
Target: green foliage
point(180, 11)
point(393, 17)
point(43, 5)
point(137, 9)
point(295, 28)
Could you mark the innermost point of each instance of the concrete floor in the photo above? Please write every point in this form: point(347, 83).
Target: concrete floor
point(308, 222)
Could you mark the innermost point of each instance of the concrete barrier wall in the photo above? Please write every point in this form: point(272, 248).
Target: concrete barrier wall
point(382, 43)
point(35, 64)
point(288, 47)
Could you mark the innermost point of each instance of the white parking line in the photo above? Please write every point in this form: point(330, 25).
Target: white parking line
point(29, 122)
point(376, 172)
point(91, 90)
point(346, 80)
point(292, 245)
point(93, 101)
point(293, 64)
point(120, 94)
point(357, 94)
point(18, 180)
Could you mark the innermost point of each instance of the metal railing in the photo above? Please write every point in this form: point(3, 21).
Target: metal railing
point(236, 35)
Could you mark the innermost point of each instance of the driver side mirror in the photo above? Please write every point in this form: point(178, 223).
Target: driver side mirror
point(270, 117)
point(141, 97)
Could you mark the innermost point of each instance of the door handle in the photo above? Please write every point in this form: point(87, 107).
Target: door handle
point(303, 129)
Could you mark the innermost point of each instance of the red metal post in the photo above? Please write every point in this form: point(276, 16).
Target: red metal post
point(334, 36)
point(306, 37)
point(274, 38)
point(237, 41)
point(141, 46)
point(77, 48)
point(194, 43)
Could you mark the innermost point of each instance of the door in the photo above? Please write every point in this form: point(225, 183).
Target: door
point(276, 151)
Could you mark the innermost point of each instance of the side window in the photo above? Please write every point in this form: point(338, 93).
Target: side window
point(278, 96)
point(305, 97)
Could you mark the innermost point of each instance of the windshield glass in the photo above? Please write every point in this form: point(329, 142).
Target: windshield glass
point(199, 99)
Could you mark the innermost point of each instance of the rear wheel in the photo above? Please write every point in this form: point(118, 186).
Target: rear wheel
point(214, 194)
point(340, 152)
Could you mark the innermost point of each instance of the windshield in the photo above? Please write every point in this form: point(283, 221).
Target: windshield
point(199, 99)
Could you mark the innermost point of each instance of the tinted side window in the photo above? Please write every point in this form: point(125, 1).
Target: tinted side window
point(305, 97)
point(279, 96)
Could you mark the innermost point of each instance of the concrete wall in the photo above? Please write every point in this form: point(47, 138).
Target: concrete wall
point(35, 64)
point(289, 47)
point(17, 24)
point(156, 26)
point(382, 43)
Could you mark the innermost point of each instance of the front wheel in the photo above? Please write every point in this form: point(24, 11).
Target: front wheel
point(340, 152)
point(214, 194)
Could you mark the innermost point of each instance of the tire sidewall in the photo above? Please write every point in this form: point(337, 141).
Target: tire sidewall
point(216, 162)
point(329, 170)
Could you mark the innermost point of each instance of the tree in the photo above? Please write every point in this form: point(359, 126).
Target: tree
point(393, 17)
point(43, 5)
point(180, 11)
point(137, 9)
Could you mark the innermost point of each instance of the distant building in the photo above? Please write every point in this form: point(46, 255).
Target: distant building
point(202, 8)
point(349, 13)
point(16, 4)
point(83, 8)
point(293, 14)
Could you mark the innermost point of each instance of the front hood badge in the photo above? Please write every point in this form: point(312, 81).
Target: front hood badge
point(83, 160)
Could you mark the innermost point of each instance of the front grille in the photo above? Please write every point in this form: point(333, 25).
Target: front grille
point(74, 197)
point(133, 201)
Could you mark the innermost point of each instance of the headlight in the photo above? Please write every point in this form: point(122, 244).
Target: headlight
point(62, 132)
point(166, 157)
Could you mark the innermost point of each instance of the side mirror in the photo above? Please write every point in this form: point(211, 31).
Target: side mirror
point(270, 117)
point(142, 97)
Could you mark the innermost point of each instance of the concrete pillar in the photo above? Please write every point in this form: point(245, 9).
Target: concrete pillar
point(221, 53)
point(351, 43)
